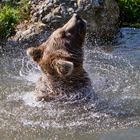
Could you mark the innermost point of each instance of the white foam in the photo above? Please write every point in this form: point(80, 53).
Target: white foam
point(29, 70)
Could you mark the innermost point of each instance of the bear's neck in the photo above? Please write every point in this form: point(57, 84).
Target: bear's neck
point(68, 84)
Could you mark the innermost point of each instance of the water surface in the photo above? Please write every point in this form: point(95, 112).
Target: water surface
point(115, 75)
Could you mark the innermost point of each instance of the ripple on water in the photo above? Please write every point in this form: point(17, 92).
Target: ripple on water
point(111, 77)
point(114, 79)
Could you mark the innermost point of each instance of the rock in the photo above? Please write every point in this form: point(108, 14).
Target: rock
point(101, 15)
point(56, 11)
point(70, 11)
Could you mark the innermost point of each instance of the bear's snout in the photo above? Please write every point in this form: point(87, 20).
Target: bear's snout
point(75, 22)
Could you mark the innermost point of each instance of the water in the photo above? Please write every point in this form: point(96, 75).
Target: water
point(115, 75)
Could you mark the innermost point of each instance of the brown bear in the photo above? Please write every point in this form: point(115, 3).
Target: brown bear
point(61, 61)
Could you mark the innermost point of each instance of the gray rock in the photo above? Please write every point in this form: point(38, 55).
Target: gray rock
point(101, 15)
point(70, 10)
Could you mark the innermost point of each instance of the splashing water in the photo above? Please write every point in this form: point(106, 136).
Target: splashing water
point(29, 70)
point(115, 78)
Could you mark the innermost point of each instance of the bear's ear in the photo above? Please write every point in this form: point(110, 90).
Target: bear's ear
point(35, 53)
point(63, 67)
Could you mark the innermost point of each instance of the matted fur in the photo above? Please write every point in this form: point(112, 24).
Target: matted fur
point(61, 61)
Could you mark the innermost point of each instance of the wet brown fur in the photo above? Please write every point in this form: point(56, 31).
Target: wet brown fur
point(64, 44)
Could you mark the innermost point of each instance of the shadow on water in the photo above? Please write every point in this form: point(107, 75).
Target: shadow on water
point(115, 77)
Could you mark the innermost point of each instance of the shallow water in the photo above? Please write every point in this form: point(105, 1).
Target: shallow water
point(115, 75)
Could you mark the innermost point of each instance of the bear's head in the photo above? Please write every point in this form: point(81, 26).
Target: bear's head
point(62, 54)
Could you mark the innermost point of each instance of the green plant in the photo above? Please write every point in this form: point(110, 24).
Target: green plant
point(9, 17)
point(11, 13)
point(130, 11)
point(24, 9)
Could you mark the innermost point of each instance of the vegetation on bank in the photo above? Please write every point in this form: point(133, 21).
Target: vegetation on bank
point(129, 12)
point(11, 13)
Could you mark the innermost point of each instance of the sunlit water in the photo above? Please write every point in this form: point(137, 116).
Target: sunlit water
point(115, 75)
